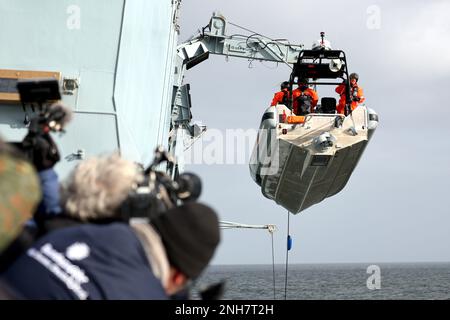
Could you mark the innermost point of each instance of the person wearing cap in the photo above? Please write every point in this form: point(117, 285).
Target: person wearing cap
point(282, 96)
point(356, 94)
point(104, 257)
point(20, 193)
point(305, 99)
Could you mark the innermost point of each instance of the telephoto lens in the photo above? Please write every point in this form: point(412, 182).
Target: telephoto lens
point(189, 187)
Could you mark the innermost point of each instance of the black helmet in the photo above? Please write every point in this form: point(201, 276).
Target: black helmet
point(285, 85)
point(302, 80)
point(354, 76)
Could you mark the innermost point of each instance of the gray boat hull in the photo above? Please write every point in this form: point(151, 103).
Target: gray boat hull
point(309, 162)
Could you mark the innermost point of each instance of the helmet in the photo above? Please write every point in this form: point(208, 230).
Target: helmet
point(302, 80)
point(354, 76)
point(285, 85)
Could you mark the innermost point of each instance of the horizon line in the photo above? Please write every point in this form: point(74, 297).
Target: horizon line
point(318, 263)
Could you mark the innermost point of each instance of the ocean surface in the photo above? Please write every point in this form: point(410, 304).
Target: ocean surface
point(330, 281)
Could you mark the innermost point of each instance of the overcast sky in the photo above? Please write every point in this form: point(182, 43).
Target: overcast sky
point(395, 206)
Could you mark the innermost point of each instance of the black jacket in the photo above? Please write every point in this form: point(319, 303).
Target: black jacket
point(89, 261)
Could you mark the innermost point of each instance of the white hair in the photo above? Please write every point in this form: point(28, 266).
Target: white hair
point(97, 187)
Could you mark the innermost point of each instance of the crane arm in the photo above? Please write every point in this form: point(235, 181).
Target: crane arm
point(214, 40)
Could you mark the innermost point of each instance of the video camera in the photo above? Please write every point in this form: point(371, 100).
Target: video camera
point(45, 94)
point(52, 116)
point(159, 192)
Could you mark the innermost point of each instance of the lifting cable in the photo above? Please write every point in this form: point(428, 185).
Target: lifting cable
point(276, 41)
point(288, 247)
point(273, 263)
point(269, 227)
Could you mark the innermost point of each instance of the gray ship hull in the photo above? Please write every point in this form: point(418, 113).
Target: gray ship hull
point(120, 53)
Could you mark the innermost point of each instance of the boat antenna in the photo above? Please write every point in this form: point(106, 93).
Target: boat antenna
point(322, 35)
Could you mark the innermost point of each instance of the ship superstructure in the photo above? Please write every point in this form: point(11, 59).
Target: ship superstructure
point(115, 62)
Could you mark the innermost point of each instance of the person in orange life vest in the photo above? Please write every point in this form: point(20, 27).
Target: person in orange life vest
point(356, 93)
point(281, 97)
point(305, 99)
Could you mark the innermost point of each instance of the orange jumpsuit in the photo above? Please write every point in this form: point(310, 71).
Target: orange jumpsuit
point(279, 97)
point(342, 101)
point(309, 92)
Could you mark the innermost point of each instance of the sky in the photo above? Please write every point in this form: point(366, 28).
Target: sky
point(395, 206)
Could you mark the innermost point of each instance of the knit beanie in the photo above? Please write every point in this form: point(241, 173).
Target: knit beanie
point(190, 234)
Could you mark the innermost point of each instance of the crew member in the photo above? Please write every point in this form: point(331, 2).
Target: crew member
point(356, 94)
point(305, 98)
point(281, 97)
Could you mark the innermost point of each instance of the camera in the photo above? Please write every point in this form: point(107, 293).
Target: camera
point(43, 93)
point(159, 192)
point(38, 146)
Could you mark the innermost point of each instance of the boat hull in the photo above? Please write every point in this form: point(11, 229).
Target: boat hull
point(308, 162)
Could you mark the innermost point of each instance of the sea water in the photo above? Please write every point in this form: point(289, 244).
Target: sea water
point(330, 281)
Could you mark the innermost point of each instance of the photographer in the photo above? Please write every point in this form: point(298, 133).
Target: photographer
point(38, 145)
point(42, 151)
point(109, 258)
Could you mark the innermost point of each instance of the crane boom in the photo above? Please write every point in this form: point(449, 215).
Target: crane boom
point(254, 46)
